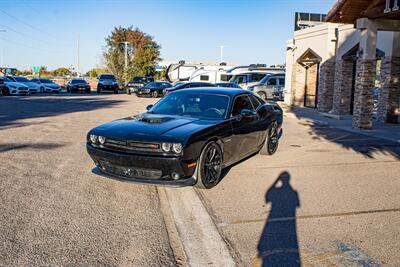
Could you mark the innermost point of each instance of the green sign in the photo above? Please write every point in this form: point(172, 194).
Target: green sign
point(36, 69)
point(8, 71)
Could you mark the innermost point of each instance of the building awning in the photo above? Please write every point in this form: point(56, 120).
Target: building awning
point(348, 11)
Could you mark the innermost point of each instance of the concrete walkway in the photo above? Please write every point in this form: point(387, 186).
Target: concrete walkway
point(380, 130)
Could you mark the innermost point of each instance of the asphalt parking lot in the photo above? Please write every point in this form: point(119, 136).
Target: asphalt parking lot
point(53, 210)
point(339, 205)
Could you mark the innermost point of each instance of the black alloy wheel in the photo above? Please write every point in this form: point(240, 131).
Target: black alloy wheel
point(210, 166)
point(272, 142)
point(154, 94)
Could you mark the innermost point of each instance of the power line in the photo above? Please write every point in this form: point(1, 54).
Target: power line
point(30, 47)
point(22, 34)
point(23, 22)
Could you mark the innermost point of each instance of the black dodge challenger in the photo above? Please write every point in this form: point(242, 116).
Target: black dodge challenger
point(186, 138)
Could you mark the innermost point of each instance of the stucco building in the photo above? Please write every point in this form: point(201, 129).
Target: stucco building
point(336, 66)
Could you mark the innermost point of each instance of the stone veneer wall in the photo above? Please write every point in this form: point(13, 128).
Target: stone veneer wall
point(363, 100)
point(389, 100)
point(326, 85)
point(298, 82)
point(342, 87)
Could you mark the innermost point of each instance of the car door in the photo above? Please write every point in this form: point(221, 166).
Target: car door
point(245, 136)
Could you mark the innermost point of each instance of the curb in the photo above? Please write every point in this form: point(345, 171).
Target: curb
point(173, 235)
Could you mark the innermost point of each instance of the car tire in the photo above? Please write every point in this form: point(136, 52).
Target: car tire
point(98, 90)
point(262, 95)
point(154, 94)
point(116, 91)
point(88, 91)
point(272, 140)
point(128, 91)
point(6, 91)
point(209, 169)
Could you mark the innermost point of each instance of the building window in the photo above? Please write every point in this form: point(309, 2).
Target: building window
point(204, 78)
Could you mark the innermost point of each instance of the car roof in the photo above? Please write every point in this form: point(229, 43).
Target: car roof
point(214, 90)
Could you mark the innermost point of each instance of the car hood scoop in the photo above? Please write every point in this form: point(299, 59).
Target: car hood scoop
point(153, 119)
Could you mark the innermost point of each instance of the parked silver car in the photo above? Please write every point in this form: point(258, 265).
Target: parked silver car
point(270, 87)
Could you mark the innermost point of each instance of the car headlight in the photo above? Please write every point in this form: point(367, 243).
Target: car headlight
point(166, 147)
point(93, 138)
point(102, 139)
point(172, 147)
point(177, 148)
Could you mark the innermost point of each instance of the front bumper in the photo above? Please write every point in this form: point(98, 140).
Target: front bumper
point(120, 165)
point(50, 89)
point(108, 87)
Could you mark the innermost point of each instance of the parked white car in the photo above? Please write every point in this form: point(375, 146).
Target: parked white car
point(47, 85)
point(14, 88)
point(33, 87)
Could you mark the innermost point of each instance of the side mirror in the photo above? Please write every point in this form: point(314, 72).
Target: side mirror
point(149, 107)
point(246, 113)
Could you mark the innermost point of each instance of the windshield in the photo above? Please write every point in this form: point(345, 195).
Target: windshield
point(153, 85)
point(78, 81)
point(21, 79)
point(107, 77)
point(264, 80)
point(45, 81)
point(204, 106)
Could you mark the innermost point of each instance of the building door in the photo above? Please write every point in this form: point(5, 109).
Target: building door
point(311, 86)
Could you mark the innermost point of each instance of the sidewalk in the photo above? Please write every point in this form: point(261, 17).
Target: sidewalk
point(390, 132)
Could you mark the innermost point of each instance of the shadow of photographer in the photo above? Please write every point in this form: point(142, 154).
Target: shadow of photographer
point(278, 245)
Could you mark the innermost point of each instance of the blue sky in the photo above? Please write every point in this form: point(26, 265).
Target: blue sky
point(44, 32)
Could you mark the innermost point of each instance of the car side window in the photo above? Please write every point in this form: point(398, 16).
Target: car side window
point(282, 81)
point(271, 81)
point(256, 103)
point(241, 102)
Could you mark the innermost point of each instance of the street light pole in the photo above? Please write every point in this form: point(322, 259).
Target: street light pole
point(126, 54)
point(126, 60)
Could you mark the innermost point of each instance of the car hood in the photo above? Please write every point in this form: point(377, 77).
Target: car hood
point(51, 85)
point(152, 127)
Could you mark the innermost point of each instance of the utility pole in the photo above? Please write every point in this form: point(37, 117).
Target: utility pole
point(77, 65)
point(2, 51)
point(221, 47)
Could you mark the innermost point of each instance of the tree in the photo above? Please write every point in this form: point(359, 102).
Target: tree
point(143, 53)
point(62, 72)
point(44, 72)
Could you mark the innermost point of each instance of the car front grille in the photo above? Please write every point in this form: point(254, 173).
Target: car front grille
point(130, 172)
point(131, 145)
